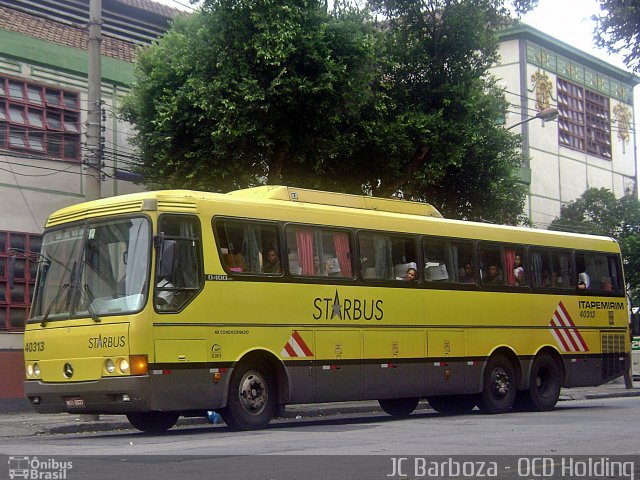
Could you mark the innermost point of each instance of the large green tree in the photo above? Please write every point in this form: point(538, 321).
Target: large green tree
point(433, 134)
point(286, 91)
point(598, 212)
point(618, 29)
point(250, 90)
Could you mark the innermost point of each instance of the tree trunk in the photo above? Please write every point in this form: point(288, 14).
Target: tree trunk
point(412, 167)
point(275, 168)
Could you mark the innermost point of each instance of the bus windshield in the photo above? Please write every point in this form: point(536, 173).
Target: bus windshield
point(95, 269)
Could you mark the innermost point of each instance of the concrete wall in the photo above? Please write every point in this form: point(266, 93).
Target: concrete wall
point(31, 189)
point(559, 174)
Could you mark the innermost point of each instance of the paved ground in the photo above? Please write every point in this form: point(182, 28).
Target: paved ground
point(31, 423)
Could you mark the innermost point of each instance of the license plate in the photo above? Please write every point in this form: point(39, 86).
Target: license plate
point(74, 402)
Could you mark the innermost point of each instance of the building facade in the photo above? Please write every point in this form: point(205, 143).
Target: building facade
point(43, 117)
point(592, 141)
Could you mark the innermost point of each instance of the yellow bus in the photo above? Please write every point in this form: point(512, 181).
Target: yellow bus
point(170, 303)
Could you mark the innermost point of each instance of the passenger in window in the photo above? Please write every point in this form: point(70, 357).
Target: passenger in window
point(235, 261)
point(468, 276)
point(271, 262)
point(606, 285)
point(583, 281)
point(556, 280)
point(411, 275)
point(318, 269)
point(493, 275)
point(518, 270)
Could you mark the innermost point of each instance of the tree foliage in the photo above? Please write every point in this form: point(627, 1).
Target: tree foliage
point(618, 29)
point(247, 90)
point(395, 98)
point(434, 135)
point(598, 212)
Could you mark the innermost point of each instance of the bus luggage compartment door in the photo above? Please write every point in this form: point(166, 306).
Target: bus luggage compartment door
point(338, 367)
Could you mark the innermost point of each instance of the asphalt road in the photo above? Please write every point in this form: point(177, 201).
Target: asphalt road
point(355, 446)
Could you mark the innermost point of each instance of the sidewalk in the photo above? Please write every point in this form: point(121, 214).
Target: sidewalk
point(31, 423)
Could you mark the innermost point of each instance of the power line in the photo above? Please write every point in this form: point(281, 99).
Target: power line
point(184, 5)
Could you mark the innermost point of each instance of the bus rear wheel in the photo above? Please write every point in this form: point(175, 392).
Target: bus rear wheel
point(153, 422)
point(499, 386)
point(544, 385)
point(453, 404)
point(398, 407)
point(252, 398)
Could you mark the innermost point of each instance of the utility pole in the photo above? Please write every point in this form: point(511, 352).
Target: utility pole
point(93, 158)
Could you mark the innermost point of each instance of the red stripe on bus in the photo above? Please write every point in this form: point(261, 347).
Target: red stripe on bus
point(296, 336)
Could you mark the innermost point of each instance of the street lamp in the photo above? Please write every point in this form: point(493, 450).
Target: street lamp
point(546, 115)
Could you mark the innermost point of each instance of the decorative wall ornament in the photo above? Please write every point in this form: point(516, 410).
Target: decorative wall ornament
point(544, 88)
point(623, 117)
point(576, 72)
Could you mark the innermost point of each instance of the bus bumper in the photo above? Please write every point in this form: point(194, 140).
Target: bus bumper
point(161, 390)
point(106, 395)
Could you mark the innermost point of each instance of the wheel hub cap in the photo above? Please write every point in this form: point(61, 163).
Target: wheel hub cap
point(253, 393)
point(500, 382)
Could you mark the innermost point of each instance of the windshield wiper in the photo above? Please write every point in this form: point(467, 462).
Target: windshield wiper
point(90, 309)
point(43, 323)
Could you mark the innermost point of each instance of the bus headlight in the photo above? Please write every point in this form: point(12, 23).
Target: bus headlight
point(123, 365)
point(36, 369)
point(109, 366)
point(29, 370)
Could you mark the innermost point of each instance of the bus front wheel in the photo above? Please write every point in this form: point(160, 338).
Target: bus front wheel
point(499, 386)
point(544, 385)
point(252, 398)
point(153, 422)
point(398, 407)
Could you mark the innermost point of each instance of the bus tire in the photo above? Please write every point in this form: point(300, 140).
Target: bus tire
point(544, 385)
point(399, 407)
point(252, 398)
point(499, 386)
point(153, 422)
point(453, 404)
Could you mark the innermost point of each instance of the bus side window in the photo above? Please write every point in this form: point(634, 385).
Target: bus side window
point(445, 260)
point(603, 272)
point(491, 269)
point(249, 247)
point(318, 252)
point(462, 260)
point(387, 257)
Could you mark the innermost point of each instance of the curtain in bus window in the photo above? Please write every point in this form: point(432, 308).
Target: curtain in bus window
point(509, 262)
point(592, 270)
point(451, 252)
point(383, 256)
point(614, 274)
point(186, 269)
point(251, 247)
point(304, 241)
point(97, 274)
point(536, 262)
point(137, 254)
point(341, 243)
point(565, 279)
point(319, 269)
